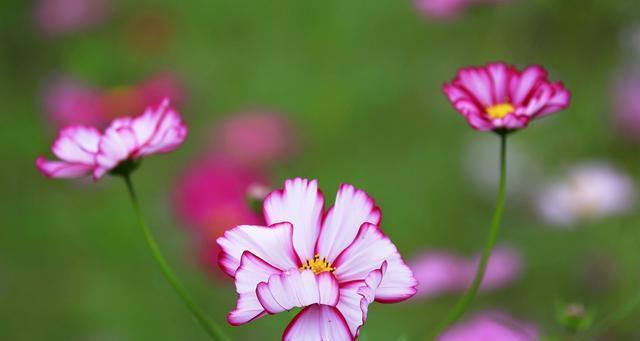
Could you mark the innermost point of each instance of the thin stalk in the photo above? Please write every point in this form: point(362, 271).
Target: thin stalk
point(213, 330)
point(463, 303)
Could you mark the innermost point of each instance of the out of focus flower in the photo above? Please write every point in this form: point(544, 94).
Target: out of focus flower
point(498, 97)
point(84, 150)
point(333, 268)
point(69, 101)
point(574, 317)
point(627, 106)
point(589, 191)
point(479, 164)
point(450, 9)
point(59, 17)
point(443, 272)
point(211, 197)
point(255, 138)
point(491, 326)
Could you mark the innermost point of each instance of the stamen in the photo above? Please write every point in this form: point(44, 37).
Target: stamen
point(318, 265)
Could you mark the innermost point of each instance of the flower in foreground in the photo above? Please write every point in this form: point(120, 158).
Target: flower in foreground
point(440, 272)
point(591, 190)
point(498, 97)
point(492, 326)
point(332, 265)
point(84, 150)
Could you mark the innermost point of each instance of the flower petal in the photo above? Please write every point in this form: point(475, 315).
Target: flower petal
point(367, 252)
point(252, 271)
point(318, 323)
point(77, 144)
point(356, 296)
point(273, 244)
point(301, 204)
point(61, 169)
point(160, 131)
point(353, 208)
point(297, 289)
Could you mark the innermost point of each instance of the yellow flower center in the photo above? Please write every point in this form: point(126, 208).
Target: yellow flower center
point(500, 110)
point(317, 265)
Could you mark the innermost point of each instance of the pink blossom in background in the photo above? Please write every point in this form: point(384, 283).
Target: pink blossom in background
point(450, 9)
point(589, 191)
point(491, 326)
point(69, 101)
point(499, 97)
point(60, 17)
point(85, 150)
point(627, 106)
point(210, 197)
point(255, 138)
point(333, 264)
point(444, 272)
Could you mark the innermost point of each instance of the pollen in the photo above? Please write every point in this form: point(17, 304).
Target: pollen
point(500, 110)
point(317, 265)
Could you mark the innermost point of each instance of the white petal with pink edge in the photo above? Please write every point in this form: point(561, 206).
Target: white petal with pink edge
point(301, 204)
point(356, 296)
point(367, 252)
point(60, 169)
point(297, 289)
point(273, 244)
point(77, 144)
point(318, 323)
point(353, 208)
point(252, 271)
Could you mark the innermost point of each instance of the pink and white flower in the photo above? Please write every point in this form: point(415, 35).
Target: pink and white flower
point(84, 150)
point(491, 326)
point(499, 97)
point(332, 265)
point(591, 190)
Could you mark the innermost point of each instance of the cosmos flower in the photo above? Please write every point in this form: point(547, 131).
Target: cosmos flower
point(498, 97)
point(442, 272)
point(59, 17)
point(84, 150)
point(70, 101)
point(332, 265)
point(491, 326)
point(590, 190)
point(255, 138)
point(211, 196)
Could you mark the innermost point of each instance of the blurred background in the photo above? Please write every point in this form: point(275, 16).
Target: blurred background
point(342, 91)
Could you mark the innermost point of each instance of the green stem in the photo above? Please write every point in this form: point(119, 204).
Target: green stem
point(618, 315)
point(213, 330)
point(463, 304)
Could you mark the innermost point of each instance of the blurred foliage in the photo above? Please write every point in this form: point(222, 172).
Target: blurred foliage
point(362, 79)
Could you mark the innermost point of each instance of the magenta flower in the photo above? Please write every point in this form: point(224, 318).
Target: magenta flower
point(210, 197)
point(442, 272)
point(255, 138)
point(498, 97)
point(84, 150)
point(69, 101)
point(491, 326)
point(332, 265)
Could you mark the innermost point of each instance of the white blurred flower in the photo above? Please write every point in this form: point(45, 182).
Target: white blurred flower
point(589, 191)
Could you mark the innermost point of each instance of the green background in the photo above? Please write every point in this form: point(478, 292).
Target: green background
point(362, 79)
